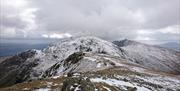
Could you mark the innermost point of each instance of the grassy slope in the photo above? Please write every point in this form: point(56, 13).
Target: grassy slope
point(112, 73)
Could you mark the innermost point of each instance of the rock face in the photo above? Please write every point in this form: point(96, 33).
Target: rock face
point(85, 54)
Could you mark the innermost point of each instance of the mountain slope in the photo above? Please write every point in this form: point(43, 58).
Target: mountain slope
point(149, 56)
point(59, 51)
point(127, 77)
point(87, 54)
point(55, 53)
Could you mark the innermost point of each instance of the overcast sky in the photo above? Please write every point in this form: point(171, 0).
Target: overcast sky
point(148, 21)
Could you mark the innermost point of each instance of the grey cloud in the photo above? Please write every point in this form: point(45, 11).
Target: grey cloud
point(100, 18)
point(109, 19)
point(163, 15)
point(12, 22)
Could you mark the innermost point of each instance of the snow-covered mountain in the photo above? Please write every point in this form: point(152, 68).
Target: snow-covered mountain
point(32, 67)
point(89, 54)
point(150, 56)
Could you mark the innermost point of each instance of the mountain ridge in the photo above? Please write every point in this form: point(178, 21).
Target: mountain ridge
point(87, 54)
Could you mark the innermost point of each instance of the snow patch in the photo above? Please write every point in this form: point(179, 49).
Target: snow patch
point(55, 77)
point(26, 89)
point(108, 89)
point(99, 65)
point(43, 89)
point(75, 87)
point(90, 58)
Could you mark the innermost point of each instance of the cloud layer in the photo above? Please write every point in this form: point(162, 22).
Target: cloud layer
point(151, 21)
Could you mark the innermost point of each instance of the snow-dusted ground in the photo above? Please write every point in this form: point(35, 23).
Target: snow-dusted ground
point(118, 83)
point(160, 83)
point(165, 81)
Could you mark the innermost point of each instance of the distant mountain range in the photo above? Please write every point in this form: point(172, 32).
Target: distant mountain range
point(92, 64)
point(9, 49)
point(171, 45)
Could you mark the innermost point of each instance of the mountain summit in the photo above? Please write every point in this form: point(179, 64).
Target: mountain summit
point(88, 56)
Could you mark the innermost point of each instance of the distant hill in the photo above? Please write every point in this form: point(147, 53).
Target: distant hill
point(8, 49)
point(171, 45)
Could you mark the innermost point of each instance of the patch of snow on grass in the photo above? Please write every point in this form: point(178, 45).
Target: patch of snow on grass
point(99, 65)
point(90, 58)
point(49, 84)
point(76, 74)
point(26, 89)
point(43, 89)
point(167, 82)
point(75, 87)
point(114, 82)
point(95, 89)
point(138, 69)
point(55, 77)
point(107, 88)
